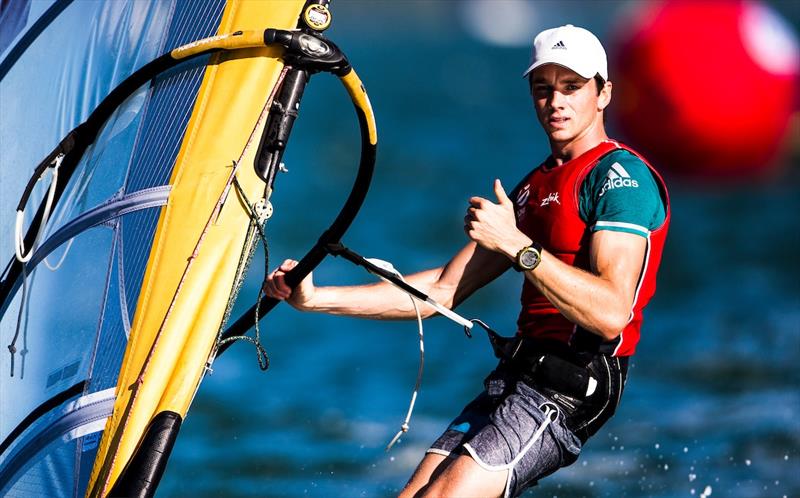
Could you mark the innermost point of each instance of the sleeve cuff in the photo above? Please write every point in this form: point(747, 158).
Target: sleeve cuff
point(619, 226)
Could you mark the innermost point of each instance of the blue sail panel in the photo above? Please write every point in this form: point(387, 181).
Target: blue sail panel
point(99, 44)
point(82, 287)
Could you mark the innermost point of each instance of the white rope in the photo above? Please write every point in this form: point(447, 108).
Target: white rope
point(405, 425)
point(19, 250)
point(54, 267)
point(19, 242)
point(550, 414)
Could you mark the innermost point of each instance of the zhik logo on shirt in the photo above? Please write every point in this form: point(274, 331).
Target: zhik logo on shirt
point(552, 197)
point(617, 177)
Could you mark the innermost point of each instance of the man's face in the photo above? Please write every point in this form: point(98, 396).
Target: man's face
point(567, 105)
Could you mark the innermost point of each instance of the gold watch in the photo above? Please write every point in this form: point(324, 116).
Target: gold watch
point(528, 257)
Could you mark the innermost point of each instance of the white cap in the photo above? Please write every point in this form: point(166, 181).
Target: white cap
point(572, 47)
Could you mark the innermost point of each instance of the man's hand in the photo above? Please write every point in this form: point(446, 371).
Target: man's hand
point(275, 286)
point(493, 226)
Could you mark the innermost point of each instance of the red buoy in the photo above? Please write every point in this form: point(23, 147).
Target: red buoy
point(706, 87)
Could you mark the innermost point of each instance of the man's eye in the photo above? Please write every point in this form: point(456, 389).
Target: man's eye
point(572, 87)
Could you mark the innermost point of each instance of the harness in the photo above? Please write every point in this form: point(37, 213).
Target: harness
point(585, 383)
point(547, 364)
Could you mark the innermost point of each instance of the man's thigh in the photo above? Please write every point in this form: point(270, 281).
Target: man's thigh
point(521, 438)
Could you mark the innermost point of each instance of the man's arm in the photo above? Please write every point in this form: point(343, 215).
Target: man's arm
point(469, 270)
point(599, 301)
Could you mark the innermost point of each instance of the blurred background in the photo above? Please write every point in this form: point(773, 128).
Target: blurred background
point(707, 90)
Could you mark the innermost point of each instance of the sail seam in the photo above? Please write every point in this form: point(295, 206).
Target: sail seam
point(112, 209)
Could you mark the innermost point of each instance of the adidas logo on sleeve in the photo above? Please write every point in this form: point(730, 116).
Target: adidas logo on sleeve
point(617, 177)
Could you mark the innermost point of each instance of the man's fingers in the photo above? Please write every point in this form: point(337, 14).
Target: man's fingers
point(275, 283)
point(288, 265)
point(280, 282)
point(271, 289)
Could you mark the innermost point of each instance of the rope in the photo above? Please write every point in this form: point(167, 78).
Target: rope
point(12, 348)
point(386, 272)
point(550, 415)
point(19, 242)
point(55, 267)
point(404, 427)
point(246, 258)
point(19, 250)
point(261, 352)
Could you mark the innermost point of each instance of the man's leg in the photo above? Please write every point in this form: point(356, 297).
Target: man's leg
point(465, 478)
point(431, 466)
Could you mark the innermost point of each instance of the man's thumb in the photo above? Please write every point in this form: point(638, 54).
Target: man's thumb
point(500, 192)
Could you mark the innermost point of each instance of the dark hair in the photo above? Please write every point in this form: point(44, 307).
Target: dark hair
point(600, 83)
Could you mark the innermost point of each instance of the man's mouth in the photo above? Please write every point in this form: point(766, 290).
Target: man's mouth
point(557, 120)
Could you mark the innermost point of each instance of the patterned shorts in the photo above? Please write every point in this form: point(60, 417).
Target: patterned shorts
point(531, 431)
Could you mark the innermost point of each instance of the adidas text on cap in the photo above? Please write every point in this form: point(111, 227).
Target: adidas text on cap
point(572, 47)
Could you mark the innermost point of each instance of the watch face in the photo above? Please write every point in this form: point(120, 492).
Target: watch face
point(529, 258)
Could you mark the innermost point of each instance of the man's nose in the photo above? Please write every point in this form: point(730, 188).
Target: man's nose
point(557, 99)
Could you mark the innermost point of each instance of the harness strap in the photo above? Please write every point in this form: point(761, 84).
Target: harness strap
point(542, 364)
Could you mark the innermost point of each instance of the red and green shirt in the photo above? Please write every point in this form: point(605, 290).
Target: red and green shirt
point(610, 187)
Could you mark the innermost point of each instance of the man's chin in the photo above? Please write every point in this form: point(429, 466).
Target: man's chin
point(560, 136)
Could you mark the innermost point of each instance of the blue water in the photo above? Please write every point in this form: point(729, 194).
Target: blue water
point(712, 401)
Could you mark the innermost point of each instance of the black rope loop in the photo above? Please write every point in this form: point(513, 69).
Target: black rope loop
point(261, 352)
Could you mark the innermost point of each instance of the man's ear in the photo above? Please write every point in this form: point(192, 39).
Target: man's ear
point(605, 96)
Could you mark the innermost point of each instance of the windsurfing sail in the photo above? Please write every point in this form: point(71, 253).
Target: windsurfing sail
point(113, 320)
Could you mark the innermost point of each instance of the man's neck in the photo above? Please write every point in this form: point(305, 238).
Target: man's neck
point(566, 151)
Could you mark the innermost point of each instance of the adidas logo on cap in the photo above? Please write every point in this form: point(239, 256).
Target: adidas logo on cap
point(617, 177)
point(560, 45)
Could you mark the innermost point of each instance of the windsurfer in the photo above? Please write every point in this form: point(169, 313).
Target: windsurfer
point(586, 228)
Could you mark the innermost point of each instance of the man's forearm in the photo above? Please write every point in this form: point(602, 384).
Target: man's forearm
point(582, 297)
point(589, 300)
point(381, 300)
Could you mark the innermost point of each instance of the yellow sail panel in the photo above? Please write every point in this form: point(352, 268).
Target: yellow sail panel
point(186, 287)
